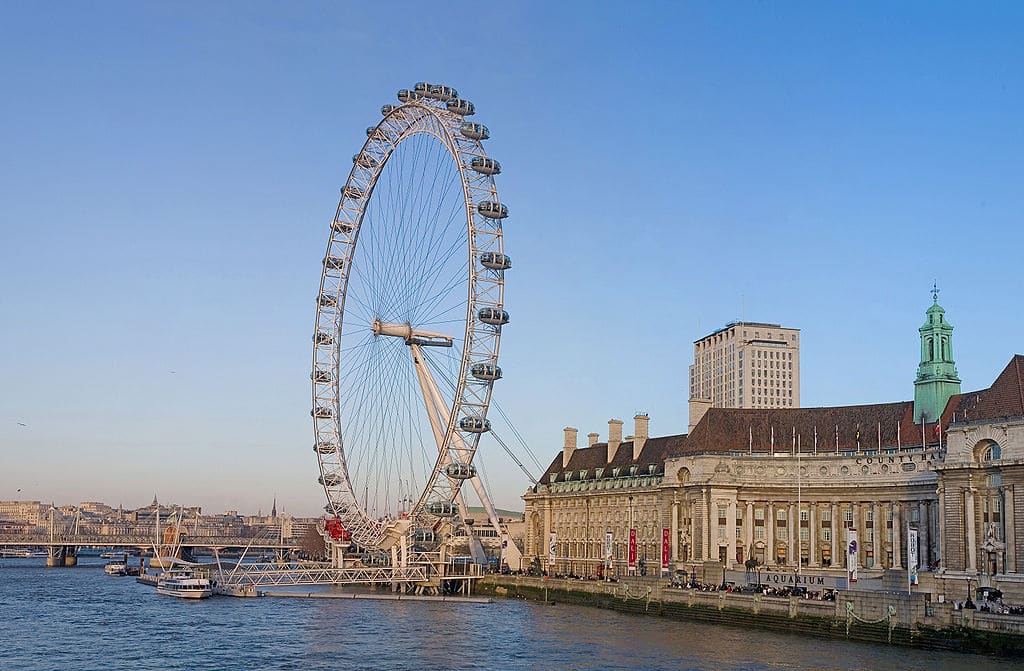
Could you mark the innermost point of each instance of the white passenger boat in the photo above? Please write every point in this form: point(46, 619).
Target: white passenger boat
point(185, 587)
point(116, 567)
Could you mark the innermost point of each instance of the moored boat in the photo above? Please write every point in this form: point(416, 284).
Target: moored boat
point(185, 587)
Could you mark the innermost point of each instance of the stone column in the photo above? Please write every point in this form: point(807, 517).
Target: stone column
point(897, 536)
point(707, 526)
point(730, 531)
point(542, 551)
point(812, 533)
point(837, 561)
point(769, 557)
point(675, 530)
point(923, 537)
point(1011, 530)
point(693, 531)
point(793, 556)
point(859, 535)
point(878, 527)
point(971, 544)
point(748, 530)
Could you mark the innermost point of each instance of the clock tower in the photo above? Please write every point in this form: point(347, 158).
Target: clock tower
point(937, 379)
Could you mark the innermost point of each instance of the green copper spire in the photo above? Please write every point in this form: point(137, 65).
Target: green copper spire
point(937, 379)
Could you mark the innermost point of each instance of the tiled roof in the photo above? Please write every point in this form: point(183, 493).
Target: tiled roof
point(1005, 398)
point(742, 430)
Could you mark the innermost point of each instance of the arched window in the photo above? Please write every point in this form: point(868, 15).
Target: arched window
point(944, 349)
point(988, 450)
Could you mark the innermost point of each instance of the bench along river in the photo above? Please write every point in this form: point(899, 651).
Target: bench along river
point(80, 618)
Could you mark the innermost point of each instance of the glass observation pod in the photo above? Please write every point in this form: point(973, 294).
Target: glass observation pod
point(329, 509)
point(323, 338)
point(387, 109)
point(475, 131)
point(341, 226)
point(330, 479)
point(442, 508)
point(424, 536)
point(327, 301)
point(405, 95)
point(475, 424)
point(322, 412)
point(365, 161)
point(422, 88)
point(442, 93)
point(336, 262)
point(460, 471)
point(492, 209)
point(324, 447)
point(486, 371)
point(352, 191)
point(461, 107)
point(495, 261)
point(321, 375)
point(492, 316)
point(485, 166)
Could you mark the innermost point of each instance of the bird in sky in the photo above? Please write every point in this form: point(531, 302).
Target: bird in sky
point(22, 424)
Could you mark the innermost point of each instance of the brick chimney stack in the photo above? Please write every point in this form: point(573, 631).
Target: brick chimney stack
point(640, 432)
point(614, 437)
point(569, 446)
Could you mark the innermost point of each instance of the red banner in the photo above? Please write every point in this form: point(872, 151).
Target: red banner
point(664, 548)
point(632, 549)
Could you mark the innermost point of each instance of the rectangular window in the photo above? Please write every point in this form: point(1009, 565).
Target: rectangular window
point(848, 519)
point(781, 534)
point(759, 516)
point(805, 534)
point(805, 515)
point(759, 533)
point(826, 534)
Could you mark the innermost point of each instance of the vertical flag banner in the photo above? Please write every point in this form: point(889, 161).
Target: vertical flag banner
point(851, 555)
point(608, 547)
point(632, 549)
point(551, 548)
point(664, 549)
point(912, 556)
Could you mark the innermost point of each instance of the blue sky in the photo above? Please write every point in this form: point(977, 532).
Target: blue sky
point(170, 171)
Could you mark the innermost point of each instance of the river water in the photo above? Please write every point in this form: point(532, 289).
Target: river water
point(80, 618)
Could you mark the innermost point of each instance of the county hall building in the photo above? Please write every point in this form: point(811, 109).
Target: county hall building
point(783, 485)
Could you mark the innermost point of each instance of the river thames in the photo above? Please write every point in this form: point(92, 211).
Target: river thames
point(82, 619)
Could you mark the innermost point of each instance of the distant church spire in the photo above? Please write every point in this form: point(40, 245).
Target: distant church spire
point(273, 510)
point(937, 379)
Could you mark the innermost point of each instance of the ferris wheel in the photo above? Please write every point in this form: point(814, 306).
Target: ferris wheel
point(408, 323)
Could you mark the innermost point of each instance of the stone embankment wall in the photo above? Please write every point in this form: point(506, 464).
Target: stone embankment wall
point(878, 617)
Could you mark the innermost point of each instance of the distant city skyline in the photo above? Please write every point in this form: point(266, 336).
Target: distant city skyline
point(171, 173)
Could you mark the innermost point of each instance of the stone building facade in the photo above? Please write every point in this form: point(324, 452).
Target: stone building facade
point(783, 486)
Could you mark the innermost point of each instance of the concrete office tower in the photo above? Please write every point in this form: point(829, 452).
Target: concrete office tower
point(745, 365)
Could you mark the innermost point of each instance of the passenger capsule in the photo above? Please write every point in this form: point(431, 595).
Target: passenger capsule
point(492, 316)
point(322, 412)
point(475, 424)
point(321, 375)
point(442, 93)
point(485, 165)
point(330, 479)
point(442, 508)
point(474, 131)
point(327, 301)
point(341, 226)
point(352, 191)
point(365, 161)
point(335, 262)
point(422, 88)
point(323, 338)
point(486, 371)
point(424, 536)
point(495, 261)
point(461, 107)
point(492, 209)
point(387, 109)
point(324, 447)
point(405, 95)
point(459, 471)
point(329, 509)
